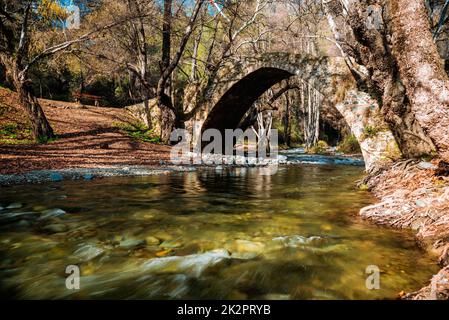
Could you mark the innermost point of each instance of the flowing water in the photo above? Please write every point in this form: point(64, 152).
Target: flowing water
point(216, 234)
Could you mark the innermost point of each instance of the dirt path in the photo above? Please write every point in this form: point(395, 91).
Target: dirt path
point(88, 137)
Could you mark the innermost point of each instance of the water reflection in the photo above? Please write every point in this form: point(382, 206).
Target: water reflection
point(228, 234)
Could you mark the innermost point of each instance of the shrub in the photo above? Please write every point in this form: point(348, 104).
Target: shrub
point(138, 131)
point(370, 132)
point(320, 148)
point(349, 145)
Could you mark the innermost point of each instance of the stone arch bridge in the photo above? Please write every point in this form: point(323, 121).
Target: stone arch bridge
point(239, 84)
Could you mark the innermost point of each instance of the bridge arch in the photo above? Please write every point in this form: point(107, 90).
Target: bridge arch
point(241, 83)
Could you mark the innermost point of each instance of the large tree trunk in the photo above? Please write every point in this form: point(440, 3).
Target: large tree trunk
point(371, 48)
point(167, 116)
point(421, 70)
point(42, 130)
point(170, 118)
point(166, 34)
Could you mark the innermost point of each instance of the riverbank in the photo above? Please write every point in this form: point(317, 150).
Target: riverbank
point(413, 196)
point(87, 137)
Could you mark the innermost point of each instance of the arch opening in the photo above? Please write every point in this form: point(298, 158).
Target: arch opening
point(233, 105)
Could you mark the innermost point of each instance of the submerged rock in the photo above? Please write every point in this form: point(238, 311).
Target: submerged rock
point(88, 252)
point(276, 296)
point(152, 241)
point(295, 241)
point(23, 224)
point(244, 249)
point(129, 244)
point(55, 228)
point(16, 216)
point(52, 213)
point(15, 205)
point(171, 244)
point(194, 264)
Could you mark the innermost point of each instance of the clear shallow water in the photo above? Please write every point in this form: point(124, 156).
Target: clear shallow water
point(299, 156)
point(231, 234)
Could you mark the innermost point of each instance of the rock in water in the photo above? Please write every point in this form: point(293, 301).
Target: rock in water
point(132, 244)
point(52, 213)
point(55, 228)
point(15, 205)
point(295, 241)
point(6, 218)
point(88, 252)
point(152, 241)
point(244, 249)
point(194, 264)
point(171, 244)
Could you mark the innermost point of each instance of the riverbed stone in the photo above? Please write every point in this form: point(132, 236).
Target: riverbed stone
point(276, 296)
point(88, 252)
point(163, 235)
point(245, 249)
point(23, 223)
point(296, 240)
point(130, 244)
point(171, 244)
point(55, 228)
point(152, 241)
point(14, 205)
point(193, 265)
point(52, 213)
point(16, 216)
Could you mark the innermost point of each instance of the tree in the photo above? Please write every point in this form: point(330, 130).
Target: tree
point(362, 31)
point(170, 116)
point(421, 70)
point(20, 24)
point(15, 57)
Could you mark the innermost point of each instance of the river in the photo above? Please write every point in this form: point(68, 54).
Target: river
point(209, 234)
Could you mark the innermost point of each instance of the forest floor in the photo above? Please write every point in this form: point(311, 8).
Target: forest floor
point(415, 195)
point(87, 137)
